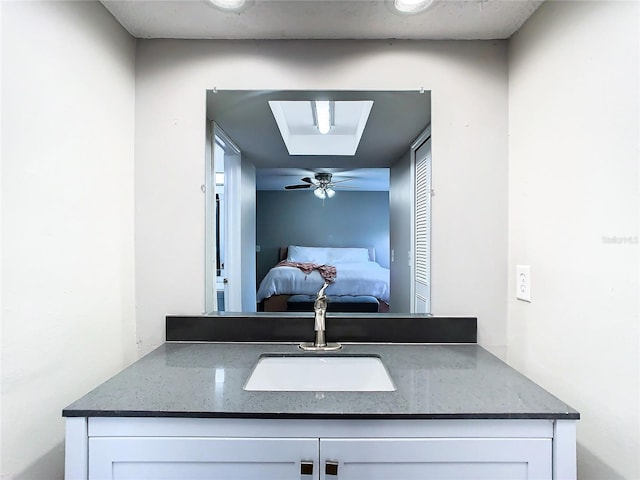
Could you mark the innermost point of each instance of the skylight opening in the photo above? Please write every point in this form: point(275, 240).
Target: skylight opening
point(302, 123)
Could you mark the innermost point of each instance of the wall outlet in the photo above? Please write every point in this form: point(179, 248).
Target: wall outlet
point(257, 248)
point(523, 282)
point(393, 256)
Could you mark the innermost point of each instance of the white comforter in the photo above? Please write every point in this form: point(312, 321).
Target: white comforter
point(351, 279)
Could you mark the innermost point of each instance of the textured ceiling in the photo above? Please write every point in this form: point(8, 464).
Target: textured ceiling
point(245, 117)
point(322, 19)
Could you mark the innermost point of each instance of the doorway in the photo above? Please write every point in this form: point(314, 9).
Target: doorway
point(221, 282)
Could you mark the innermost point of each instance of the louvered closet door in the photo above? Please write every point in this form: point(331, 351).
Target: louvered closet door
point(422, 245)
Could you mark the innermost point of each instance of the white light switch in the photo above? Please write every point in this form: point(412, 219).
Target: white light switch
point(523, 282)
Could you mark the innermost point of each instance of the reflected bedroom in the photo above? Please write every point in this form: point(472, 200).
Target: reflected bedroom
point(305, 187)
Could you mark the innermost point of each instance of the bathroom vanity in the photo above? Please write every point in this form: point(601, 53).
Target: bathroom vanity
point(454, 411)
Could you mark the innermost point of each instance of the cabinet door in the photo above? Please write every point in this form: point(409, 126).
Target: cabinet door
point(180, 458)
point(441, 458)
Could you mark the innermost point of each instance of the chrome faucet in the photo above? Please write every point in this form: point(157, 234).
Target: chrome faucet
point(320, 309)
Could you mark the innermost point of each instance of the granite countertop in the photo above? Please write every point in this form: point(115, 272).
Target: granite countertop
point(432, 382)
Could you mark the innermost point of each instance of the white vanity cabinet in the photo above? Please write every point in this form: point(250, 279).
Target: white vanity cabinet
point(437, 458)
point(103, 448)
point(164, 458)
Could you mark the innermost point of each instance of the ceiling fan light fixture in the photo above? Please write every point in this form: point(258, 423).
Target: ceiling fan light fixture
point(322, 184)
point(320, 193)
point(412, 6)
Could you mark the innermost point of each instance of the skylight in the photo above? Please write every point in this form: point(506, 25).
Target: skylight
point(300, 134)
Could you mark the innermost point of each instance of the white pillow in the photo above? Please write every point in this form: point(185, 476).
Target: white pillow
point(348, 255)
point(317, 255)
point(327, 255)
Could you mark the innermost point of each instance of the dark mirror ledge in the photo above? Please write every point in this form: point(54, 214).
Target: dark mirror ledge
point(298, 327)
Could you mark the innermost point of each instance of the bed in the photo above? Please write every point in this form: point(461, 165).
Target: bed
point(357, 274)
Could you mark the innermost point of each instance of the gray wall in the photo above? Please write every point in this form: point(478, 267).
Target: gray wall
point(248, 236)
point(299, 218)
point(401, 211)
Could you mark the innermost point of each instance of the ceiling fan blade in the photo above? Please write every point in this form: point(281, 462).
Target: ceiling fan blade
point(295, 187)
point(340, 181)
point(307, 179)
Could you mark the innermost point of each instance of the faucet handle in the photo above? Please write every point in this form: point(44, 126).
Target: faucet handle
point(312, 347)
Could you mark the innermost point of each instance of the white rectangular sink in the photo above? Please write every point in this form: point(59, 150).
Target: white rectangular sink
point(320, 373)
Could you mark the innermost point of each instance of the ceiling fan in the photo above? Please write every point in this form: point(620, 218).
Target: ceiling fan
point(324, 186)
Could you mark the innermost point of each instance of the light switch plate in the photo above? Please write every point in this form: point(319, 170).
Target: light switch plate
point(523, 282)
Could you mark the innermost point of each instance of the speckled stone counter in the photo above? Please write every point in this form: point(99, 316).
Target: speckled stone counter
point(432, 382)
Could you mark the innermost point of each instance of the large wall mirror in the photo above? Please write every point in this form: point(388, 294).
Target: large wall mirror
point(343, 176)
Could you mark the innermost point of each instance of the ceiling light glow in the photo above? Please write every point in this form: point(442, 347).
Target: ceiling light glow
point(228, 4)
point(412, 6)
point(323, 113)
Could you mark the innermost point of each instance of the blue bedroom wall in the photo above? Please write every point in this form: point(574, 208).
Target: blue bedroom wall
point(349, 219)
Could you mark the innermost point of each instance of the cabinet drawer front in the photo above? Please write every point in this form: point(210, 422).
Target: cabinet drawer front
point(122, 458)
point(441, 458)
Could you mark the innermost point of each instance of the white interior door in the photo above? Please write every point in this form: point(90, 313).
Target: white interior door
point(223, 267)
point(220, 215)
point(422, 229)
point(233, 259)
point(230, 213)
point(210, 296)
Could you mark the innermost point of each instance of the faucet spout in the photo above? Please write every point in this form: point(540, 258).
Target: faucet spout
point(320, 309)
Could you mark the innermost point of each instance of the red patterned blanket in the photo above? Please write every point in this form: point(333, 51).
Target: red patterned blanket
point(327, 272)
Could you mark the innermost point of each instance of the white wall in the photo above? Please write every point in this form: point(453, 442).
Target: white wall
point(67, 220)
point(469, 110)
point(573, 184)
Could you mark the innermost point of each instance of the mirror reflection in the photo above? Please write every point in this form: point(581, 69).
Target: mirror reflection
point(304, 185)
